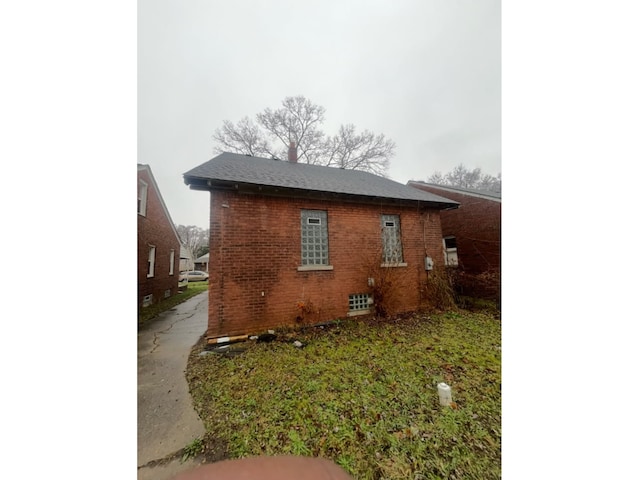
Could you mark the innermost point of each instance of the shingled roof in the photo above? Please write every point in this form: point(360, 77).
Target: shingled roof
point(474, 192)
point(272, 176)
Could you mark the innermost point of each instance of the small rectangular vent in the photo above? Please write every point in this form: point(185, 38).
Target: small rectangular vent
point(147, 300)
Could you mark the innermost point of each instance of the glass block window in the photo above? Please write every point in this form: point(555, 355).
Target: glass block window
point(315, 241)
point(391, 239)
point(358, 301)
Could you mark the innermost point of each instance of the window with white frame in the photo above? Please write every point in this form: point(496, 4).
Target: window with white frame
point(151, 264)
point(450, 251)
point(142, 197)
point(391, 239)
point(314, 237)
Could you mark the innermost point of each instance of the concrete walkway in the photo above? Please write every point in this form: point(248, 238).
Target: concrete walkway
point(167, 421)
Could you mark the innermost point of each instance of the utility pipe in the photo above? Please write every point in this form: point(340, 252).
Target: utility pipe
point(237, 338)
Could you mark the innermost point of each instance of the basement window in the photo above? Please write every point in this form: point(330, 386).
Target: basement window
point(450, 251)
point(359, 304)
point(147, 300)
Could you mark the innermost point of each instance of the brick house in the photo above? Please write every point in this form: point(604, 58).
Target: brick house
point(158, 243)
point(293, 243)
point(471, 233)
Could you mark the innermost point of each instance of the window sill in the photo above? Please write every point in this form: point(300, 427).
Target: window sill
point(311, 268)
point(392, 265)
point(358, 312)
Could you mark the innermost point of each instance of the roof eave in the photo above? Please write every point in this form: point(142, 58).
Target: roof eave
point(201, 183)
point(492, 196)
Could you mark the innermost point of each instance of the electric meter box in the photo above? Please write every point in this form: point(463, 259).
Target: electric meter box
point(428, 263)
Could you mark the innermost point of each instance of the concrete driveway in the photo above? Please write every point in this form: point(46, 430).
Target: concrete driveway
point(167, 421)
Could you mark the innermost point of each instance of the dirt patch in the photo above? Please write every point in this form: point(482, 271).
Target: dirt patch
point(214, 449)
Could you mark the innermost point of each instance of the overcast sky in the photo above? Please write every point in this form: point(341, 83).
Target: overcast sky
point(425, 73)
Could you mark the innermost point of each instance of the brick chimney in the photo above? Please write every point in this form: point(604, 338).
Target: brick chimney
point(293, 152)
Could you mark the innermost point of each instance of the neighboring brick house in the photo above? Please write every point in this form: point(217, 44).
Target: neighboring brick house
point(471, 233)
point(158, 243)
point(295, 244)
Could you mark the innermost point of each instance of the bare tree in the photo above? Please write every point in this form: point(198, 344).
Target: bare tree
point(365, 151)
point(194, 239)
point(490, 184)
point(245, 137)
point(299, 121)
point(461, 176)
point(437, 178)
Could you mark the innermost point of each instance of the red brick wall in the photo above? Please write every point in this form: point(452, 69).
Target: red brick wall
point(476, 226)
point(255, 253)
point(155, 229)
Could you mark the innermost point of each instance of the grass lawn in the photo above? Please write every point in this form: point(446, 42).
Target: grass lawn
point(147, 314)
point(364, 394)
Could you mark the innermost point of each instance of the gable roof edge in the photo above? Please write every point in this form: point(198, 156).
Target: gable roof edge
point(492, 196)
point(162, 204)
